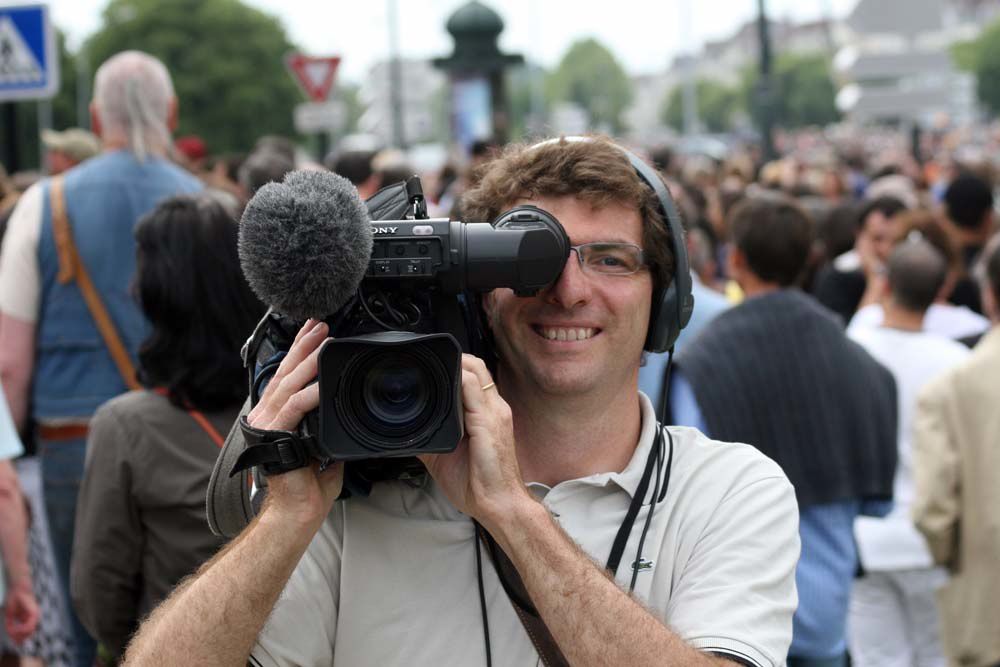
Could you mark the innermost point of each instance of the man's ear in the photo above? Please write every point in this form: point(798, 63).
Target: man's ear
point(885, 290)
point(95, 121)
point(736, 263)
point(172, 115)
point(991, 306)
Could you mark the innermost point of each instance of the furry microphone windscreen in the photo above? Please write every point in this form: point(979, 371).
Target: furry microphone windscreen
point(305, 243)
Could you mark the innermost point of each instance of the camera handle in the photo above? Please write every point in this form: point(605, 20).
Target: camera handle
point(275, 452)
point(415, 195)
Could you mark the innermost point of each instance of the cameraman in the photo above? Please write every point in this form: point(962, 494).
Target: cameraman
point(555, 447)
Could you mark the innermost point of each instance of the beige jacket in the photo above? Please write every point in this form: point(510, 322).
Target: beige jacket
point(957, 508)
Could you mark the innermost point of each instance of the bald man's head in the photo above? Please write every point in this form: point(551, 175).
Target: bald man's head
point(917, 271)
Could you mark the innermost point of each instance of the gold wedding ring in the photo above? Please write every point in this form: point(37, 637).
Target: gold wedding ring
point(489, 386)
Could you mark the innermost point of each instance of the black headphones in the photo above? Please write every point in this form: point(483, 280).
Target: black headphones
point(671, 307)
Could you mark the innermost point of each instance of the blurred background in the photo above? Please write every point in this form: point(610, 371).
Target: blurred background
point(430, 77)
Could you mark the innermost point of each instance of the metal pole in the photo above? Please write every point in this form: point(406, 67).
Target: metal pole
point(765, 92)
point(44, 123)
point(395, 78)
point(10, 156)
point(689, 92)
point(831, 45)
point(82, 89)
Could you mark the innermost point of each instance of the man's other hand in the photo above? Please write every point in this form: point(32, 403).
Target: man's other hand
point(305, 495)
point(481, 477)
point(20, 611)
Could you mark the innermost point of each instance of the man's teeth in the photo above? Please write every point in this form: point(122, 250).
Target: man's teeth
point(559, 333)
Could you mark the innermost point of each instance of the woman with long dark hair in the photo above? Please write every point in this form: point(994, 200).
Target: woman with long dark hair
point(140, 524)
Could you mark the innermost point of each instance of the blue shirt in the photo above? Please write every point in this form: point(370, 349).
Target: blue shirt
point(829, 558)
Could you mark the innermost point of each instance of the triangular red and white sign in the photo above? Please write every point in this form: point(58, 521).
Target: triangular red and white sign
point(314, 74)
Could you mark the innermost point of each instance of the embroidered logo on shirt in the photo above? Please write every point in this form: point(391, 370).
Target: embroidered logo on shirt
point(642, 564)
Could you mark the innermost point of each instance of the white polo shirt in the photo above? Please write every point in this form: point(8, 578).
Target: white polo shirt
point(391, 579)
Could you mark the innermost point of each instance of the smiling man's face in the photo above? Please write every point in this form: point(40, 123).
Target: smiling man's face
point(585, 333)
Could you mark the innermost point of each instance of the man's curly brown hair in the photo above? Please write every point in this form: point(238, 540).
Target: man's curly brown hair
point(595, 171)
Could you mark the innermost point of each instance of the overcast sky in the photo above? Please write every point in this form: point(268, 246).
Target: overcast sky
point(644, 34)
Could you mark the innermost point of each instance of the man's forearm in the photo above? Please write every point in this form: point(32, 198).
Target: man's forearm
point(13, 526)
point(17, 359)
point(215, 617)
point(593, 620)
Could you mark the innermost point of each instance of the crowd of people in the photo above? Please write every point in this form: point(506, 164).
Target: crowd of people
point(846, 299)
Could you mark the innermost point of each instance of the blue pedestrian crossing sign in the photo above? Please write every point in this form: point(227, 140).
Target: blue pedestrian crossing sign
point(29, 63)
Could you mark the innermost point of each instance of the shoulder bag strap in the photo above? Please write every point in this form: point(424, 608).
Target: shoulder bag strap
point(199, 417)
point(71, 268)
point(533, 624)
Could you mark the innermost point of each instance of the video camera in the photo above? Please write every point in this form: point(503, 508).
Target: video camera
point(390, 377)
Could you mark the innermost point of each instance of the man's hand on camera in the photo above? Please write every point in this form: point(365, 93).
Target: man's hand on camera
point(307, 494)
point(481, 477)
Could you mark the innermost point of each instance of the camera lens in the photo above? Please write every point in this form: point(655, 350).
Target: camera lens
point(394, 397)
point(393, 393)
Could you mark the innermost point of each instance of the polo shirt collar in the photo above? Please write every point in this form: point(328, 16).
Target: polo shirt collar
point(629, 478)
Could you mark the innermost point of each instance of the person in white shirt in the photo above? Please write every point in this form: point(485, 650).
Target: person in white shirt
point(556, 441)
point(943, 317)
point(893, 618)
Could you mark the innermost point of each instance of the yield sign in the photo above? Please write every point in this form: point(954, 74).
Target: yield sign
point(314, 74)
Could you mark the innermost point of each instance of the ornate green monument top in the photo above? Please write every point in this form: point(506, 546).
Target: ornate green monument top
point(474, 18)
point(475, 29)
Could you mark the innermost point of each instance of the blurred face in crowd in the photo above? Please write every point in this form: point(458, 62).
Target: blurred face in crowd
point(880, 232)
point(58, 162)
point(585, 333)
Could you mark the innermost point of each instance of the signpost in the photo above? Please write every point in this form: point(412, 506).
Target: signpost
point(29, 65)
point(315, 117)
point(316, 76)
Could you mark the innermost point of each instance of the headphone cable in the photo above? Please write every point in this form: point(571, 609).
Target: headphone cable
point(482, 597)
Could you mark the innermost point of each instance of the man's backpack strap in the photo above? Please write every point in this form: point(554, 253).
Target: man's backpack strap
point(533, 624)
point(228, 503)
point(71, 267)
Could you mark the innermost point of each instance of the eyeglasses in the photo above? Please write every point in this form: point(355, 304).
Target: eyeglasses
point(614, 259)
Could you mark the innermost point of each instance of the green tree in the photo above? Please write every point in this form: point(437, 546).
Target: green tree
point(226, 61)
point(590, 76)
point(716, 105)
point(803, 92)
point(981, 56)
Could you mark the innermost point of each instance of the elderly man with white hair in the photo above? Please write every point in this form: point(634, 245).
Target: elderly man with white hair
point(67, 261)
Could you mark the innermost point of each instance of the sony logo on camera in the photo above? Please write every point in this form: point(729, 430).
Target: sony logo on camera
point(384, 230)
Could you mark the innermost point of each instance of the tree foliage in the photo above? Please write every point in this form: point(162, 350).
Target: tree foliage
point(589, 75)
point(716, 104)
point(226, 60)
point(981, 56)
point(802, 91)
